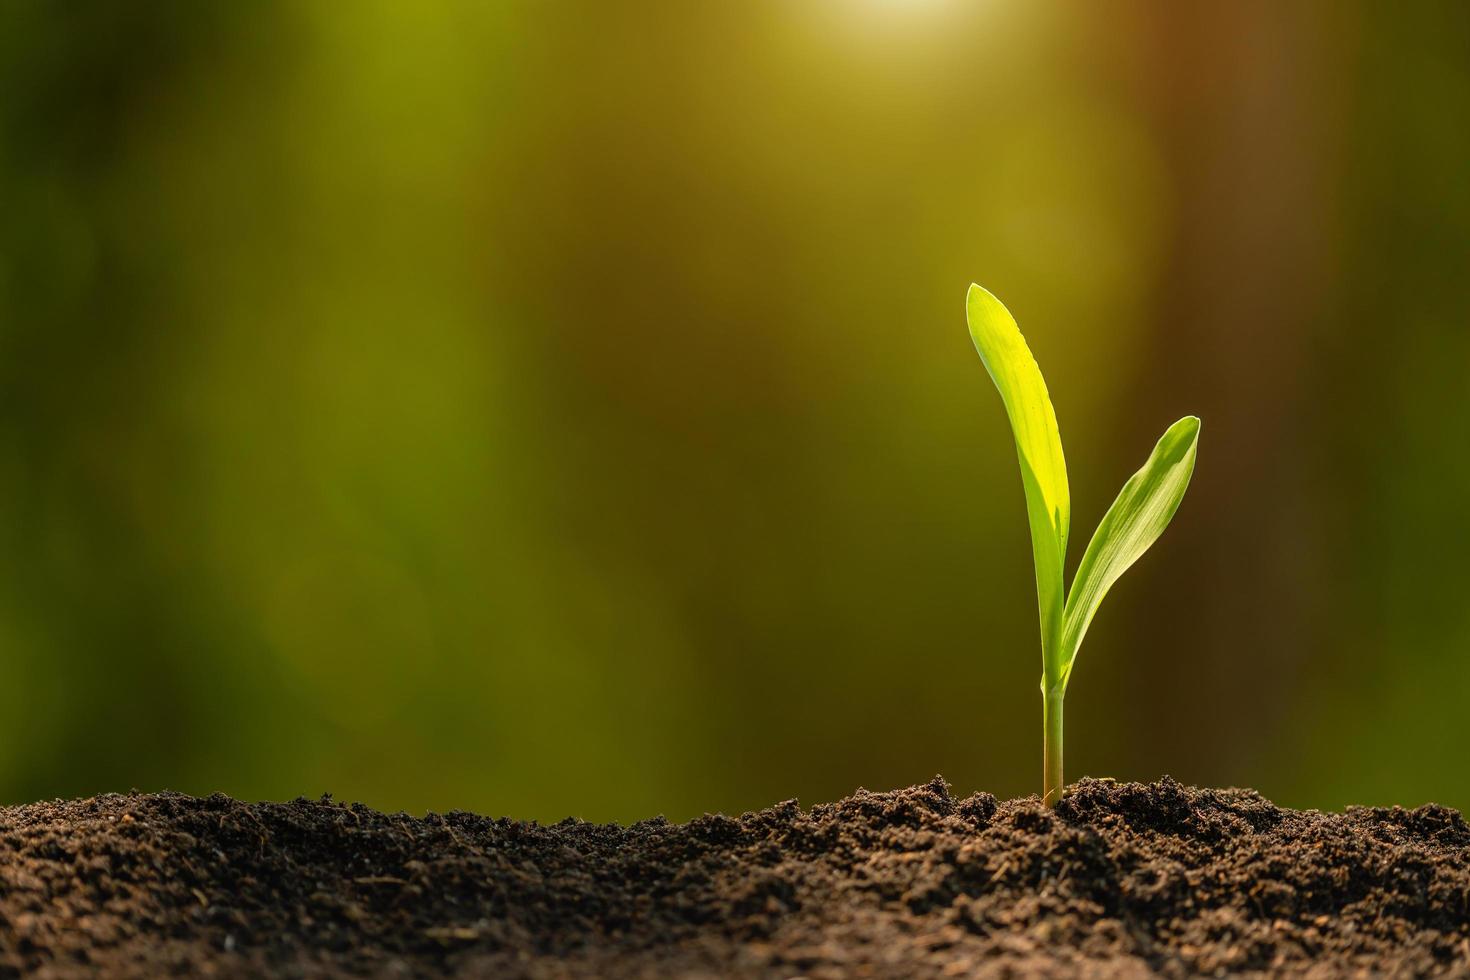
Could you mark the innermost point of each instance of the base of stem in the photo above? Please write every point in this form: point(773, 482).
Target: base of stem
point(1052, 783)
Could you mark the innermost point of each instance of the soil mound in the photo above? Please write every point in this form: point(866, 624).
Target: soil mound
point(1119, 881)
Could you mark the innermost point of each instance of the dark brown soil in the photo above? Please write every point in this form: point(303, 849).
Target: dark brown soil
point(1120, 881)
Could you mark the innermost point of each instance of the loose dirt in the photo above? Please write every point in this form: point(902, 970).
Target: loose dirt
point(1120, 881)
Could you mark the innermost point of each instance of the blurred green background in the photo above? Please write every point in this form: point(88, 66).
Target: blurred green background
point(548, 408)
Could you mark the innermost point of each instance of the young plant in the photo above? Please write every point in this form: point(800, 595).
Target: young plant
point(1143, 509)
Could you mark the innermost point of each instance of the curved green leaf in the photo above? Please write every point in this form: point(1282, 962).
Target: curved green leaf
point(1143, 509)
point(1039, 448)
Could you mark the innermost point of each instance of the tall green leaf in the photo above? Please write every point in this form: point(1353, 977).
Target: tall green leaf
point(1039, 447)
point(1143, 509)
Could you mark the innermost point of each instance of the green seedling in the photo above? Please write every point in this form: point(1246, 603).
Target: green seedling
point(1143, 509)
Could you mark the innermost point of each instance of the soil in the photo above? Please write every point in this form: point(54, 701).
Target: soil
point(1120, 881)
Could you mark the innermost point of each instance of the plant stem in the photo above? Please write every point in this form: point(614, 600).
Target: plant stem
point(1051, 711)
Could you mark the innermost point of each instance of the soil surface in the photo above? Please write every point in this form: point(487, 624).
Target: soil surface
point(1119, 881)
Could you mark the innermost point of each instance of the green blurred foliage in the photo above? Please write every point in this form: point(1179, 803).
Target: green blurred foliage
point(568, 408)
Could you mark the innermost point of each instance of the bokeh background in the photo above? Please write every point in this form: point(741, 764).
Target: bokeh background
point(566, 408)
